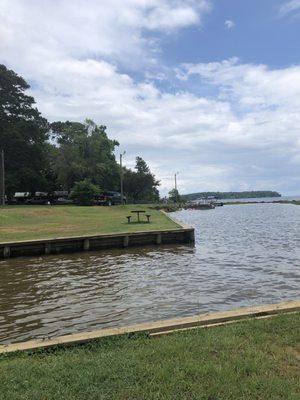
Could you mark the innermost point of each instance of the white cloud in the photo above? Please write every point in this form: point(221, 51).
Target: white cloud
point(245, 136)
point(229, 24)
point(252, 87)
point(265, 117)
point(107, 28)
point(289, 6)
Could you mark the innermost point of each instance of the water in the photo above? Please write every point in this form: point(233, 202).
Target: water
point(244, 255)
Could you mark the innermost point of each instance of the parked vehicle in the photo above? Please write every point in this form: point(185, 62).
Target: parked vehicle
point(39, 198)
point(110, 199)
point(60, 194)
point(61, 197)
point(62, 201)
point(20, 198)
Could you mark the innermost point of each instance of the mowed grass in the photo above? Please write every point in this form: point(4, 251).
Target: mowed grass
point(259, 359)
point(41, 222)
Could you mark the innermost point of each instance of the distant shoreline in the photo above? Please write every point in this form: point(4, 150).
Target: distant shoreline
point(260, 194)
point(236, 203)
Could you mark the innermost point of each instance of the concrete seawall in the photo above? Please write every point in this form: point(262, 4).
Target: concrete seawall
point(95, 242)
point(161, 327)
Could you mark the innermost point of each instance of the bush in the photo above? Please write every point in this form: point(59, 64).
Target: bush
point(84, 192)
point(174, 196)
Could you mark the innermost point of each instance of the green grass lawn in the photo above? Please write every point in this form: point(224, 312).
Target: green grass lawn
point(259, 359)
point(40, 222)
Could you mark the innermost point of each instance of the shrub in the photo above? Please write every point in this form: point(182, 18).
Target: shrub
point(84, 192)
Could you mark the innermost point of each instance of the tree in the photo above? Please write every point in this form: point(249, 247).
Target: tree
point(141, 185)
point(23, 136)
point(141, 166)
point(174, 196)
point(85, 152)
point(76, 152)
point(84, 192)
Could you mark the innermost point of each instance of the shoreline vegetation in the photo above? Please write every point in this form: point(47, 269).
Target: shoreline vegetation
point(45, 222)
point(252, 359)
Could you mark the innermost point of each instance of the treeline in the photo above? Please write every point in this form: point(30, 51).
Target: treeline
point(44, 156)
point(232, 195)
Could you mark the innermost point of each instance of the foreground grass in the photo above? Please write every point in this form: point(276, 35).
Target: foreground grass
point(259, 359)
point(39, 222)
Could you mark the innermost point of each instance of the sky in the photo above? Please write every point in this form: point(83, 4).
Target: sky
point(206, 88)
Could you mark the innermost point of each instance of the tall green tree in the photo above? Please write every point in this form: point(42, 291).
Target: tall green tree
point(174, 196)
point(41, 156)
point(84, 152)
point(141, 185)
point(23, 136)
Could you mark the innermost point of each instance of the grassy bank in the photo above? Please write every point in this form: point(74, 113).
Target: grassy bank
point(259, 359)
point(40, 222)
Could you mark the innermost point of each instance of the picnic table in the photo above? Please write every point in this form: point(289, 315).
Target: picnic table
point(138, 212)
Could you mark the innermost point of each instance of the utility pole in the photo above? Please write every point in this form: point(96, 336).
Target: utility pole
point(121, 177)
point(176, 180)
point(2, 179)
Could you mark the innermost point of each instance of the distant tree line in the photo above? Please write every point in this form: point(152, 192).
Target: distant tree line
point(231, 195)
point(44, 156)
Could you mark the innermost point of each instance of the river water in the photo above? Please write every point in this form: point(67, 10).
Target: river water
point(244, 255)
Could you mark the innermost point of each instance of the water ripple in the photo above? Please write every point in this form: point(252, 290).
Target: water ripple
point(244, 255)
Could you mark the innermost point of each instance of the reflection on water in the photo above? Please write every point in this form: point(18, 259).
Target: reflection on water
point(244, 255)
